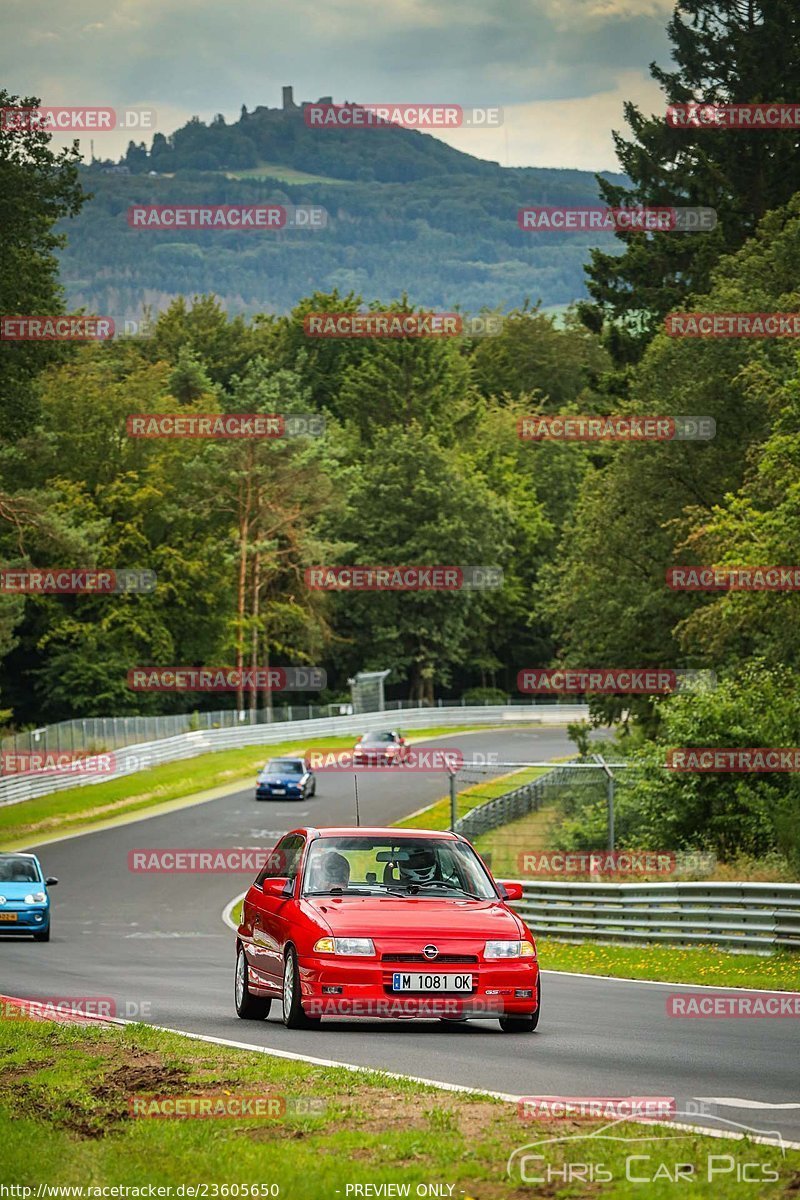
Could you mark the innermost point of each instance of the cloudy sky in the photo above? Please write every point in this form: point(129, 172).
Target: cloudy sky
point(560, 69)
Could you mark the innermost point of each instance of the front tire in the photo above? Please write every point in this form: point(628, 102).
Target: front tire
point(524, 1024)
point(293, 1015)
point(248, 1006)
point(42, 935)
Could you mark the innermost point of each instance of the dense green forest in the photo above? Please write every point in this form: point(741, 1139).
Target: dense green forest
point(421, 462)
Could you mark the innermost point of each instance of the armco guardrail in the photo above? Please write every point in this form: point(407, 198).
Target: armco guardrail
point(512, 805)
point(94, 734)
point(750, 916)
point(16, 788)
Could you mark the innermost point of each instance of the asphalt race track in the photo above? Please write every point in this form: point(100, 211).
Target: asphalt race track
point(157, 945)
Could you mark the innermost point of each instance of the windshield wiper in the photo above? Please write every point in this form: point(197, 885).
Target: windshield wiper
point(413, 889)
point(452, 887)
point(339, 891)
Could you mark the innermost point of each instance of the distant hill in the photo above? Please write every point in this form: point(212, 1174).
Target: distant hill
point(407, 213)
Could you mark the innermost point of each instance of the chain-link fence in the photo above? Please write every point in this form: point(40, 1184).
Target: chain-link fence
point(540, 821)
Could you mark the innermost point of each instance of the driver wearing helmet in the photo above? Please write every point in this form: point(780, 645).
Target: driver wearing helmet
point(330, 870)
point(418, 866)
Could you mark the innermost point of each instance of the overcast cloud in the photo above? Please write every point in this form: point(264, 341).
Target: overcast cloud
point(559, 68)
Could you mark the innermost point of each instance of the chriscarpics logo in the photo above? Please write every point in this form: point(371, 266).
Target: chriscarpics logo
point(640, 1152)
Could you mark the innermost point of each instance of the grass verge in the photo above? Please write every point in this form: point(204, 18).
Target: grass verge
point(65, 1119)
point(80, 808)
point(437, 815)
point(675, 964)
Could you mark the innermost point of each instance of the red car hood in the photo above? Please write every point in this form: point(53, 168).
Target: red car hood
point(396, 917)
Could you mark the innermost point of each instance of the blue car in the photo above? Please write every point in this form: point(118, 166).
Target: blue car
point(24, 901)
point(286, 779)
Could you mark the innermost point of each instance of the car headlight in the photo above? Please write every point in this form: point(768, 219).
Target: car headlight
point(509, 950)
point(35, 898)
point(359, 946)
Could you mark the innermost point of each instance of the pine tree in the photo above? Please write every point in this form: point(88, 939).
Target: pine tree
point(726, 51)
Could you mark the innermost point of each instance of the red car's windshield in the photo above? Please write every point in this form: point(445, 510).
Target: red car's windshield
point(395, 866)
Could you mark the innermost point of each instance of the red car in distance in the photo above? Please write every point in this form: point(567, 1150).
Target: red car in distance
point(384, 923)
point(382, 748)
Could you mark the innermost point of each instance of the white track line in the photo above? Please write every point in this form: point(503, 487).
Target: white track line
point(228, 909)
point(736, 1102)
point(703, 987)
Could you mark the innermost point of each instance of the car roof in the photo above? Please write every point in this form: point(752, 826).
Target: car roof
point(377, 831)
point(17, 854)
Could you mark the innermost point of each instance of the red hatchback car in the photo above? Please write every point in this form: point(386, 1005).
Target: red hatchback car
point(384, 923)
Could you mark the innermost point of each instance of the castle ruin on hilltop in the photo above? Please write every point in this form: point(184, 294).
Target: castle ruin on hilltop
point(288, 104)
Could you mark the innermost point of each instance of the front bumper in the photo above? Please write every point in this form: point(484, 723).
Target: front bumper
point(268, 792)
point(364, 988)
point(28, 920)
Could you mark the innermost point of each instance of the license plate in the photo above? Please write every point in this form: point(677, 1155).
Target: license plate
point(279, 791)
point(8, 916)
point(417, 981)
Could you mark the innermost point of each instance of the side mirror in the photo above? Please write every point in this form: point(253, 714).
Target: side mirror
point(51, 881)
point(278, 887)
point(510, 891)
